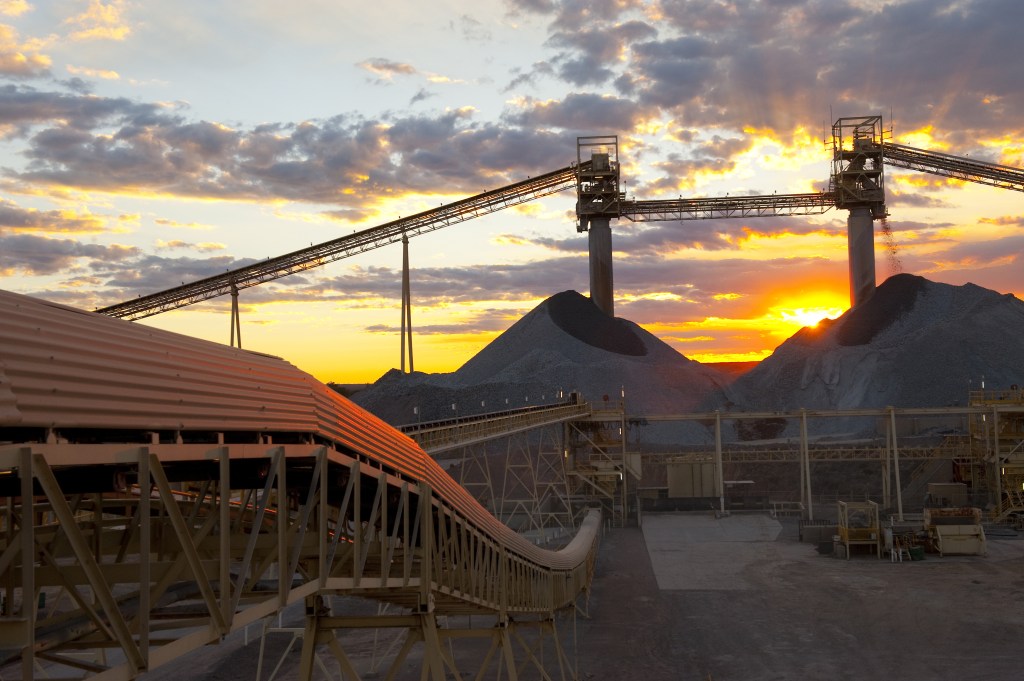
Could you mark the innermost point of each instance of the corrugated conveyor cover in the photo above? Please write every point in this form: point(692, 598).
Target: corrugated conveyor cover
point(64, 368)
point(67, 368)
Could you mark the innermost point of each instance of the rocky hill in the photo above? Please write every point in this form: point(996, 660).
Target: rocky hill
point(914, 343)
point(564, 344)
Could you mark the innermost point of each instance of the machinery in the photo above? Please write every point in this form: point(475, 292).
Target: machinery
point(859, 525)
point(955, 531)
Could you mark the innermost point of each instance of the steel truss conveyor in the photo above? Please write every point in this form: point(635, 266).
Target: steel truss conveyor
point(160, 492)
point(346, 246)
point(959, 167)
point(710, 208)
point(437, 437)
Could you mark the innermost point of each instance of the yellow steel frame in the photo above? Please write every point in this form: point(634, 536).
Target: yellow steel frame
point(195, 542)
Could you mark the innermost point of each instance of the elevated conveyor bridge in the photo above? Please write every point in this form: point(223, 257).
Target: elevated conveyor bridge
point(438, 437)
point(346, 246)
point(948, 165)
point(162, 492)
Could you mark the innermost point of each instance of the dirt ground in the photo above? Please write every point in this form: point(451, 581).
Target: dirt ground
point(688, 597)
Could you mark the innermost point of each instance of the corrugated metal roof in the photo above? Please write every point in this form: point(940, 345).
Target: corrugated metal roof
point(66, 368)
point(61, 367)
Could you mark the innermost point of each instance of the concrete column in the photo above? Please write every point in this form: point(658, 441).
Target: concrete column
point(860, 233)
point(601, 285)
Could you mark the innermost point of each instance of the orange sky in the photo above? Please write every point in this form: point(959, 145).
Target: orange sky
point(131, 164)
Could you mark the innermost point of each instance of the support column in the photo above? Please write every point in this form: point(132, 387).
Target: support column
point(236, 320)
point(860, 233)
point(720, 483)
point(887, 472)
point(406, 331)
point(28, 565)
point(805, 454)
point(998, 459)
point(896, 464)
point(601, 284)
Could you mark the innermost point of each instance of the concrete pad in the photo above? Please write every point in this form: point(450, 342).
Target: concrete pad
point(794, 614)
point(703, 552)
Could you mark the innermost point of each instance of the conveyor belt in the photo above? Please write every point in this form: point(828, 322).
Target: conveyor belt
point(343, 247)
point(264, 488)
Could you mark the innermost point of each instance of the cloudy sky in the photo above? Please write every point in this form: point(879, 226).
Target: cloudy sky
point(146, 144)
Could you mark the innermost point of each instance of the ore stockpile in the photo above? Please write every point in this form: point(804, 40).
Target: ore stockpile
point(914, 343)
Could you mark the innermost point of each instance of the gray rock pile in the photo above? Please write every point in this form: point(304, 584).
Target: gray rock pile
point(564, 344)
point(914, 343)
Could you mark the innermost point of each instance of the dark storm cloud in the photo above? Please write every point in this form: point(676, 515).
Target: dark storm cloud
point(446, 285)
point(917, 199)
point(580, 112)
point(23, 107)
point(1006, 250)
point(997, 262)
point(35, 255)
point(145, 274)
point(714, 155)
point(482, 321)
point(592, 50)
point(779, 64)
point(14, 217)
point(699, 284)
point(661, 238)
point(675, 71)
point(116, 145)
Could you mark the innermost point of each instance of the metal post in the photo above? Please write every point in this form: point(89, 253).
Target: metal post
point(623, 469)
point(718, 461)
point(224, 536)
point(28, 567)
point(998, 460)
point(406, 330)
point(805, 454)
point(145, 555)
point(887, 471)
point(236, 320)
point(896, 464)
point(803, 474)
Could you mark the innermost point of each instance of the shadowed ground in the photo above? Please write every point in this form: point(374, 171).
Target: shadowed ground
point(692, 598)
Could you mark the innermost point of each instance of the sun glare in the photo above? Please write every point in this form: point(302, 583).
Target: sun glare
point(809, 316)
